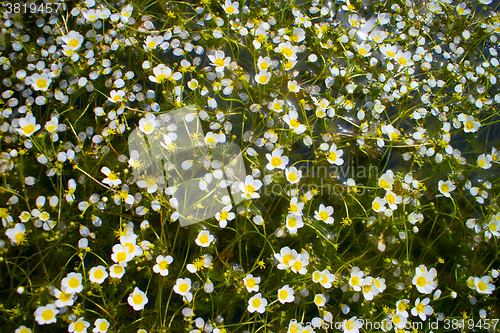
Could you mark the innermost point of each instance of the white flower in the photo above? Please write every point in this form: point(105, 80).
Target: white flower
point(276, 160)
point(219, 60)
point(72, 283)
point(292, 121)
point(73, 40)
point(46, 314)
point(249, 187)
point(483, 285)
point(28, 125)
point(293, 86)
point(112, 178)
point(101, 326)
point(263, 77)
point(334, 155)
point(152, 42)
point(257, 303)
point(183, 287)
point(285, 294)
point(422, 309)
point(98, 274)
point(356, 280)
point(446, 187)
point(293, 175)
point(324, 214)
point(137, 299)
point(424, 279)
point(40, 81)
point(285, 257)
point(148, 124)
point(17, 235)
point(378, 205)
point(352, 325)
point(162, 263)
point(251, 283)
point(79, 326)
point(231, 7)
point(484, 161)
point(116, 96)
point(204, 238)
point(294, 222)
point(116, 271)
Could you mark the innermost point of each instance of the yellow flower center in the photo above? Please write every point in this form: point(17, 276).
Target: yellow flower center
point(250, 189)
point(256, 303)
point(29, 129)
point(103, 326)
point(294, 123)
point(292, 176)
point(148, 127)
point(98, 274)
point(263, 79)
point(402, 61)
point(421, 281)
point(19, 237)
point(276, 162)
point(469, 125)
point(251, 283)
point(112, 176)
point(323, 215)
point(79, 326)
point(287, 258)
point(420, 307)
point(119, 269)
point(47, 315)
point(73, 283)
point(355, 281)
point(297, 265)
point(137, 299)
point(219, 62)
point(229, 10)
point(121, 256)
point(117, 98)
point(64, 297)
point(391, 54)
point(41, 83)
point(292, 222)
point(376, 205)
point(73, 43)
point(482, 286)
point(161, 77)
point(363, 51)
point(287, 52)
point(445, 188)
point(151, 44)
point(163, 265)
point(203, 239)
point(183, 287)
point(283, 294)
point(349, 325)
point(224, 215)
point(333, 156)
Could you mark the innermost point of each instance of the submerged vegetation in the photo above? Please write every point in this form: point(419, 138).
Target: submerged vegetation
point(249, 166)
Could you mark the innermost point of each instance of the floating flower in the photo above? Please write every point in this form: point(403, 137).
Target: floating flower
point(204, 238)
point(162, 264)
point(46, 314)
point(28, 125)
point(98, 274)
point(251, 283)
point(183, 287)
point(285, 294)
point(137, 299)
point(257, 303)
point(446, 187)
point(324, 214)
